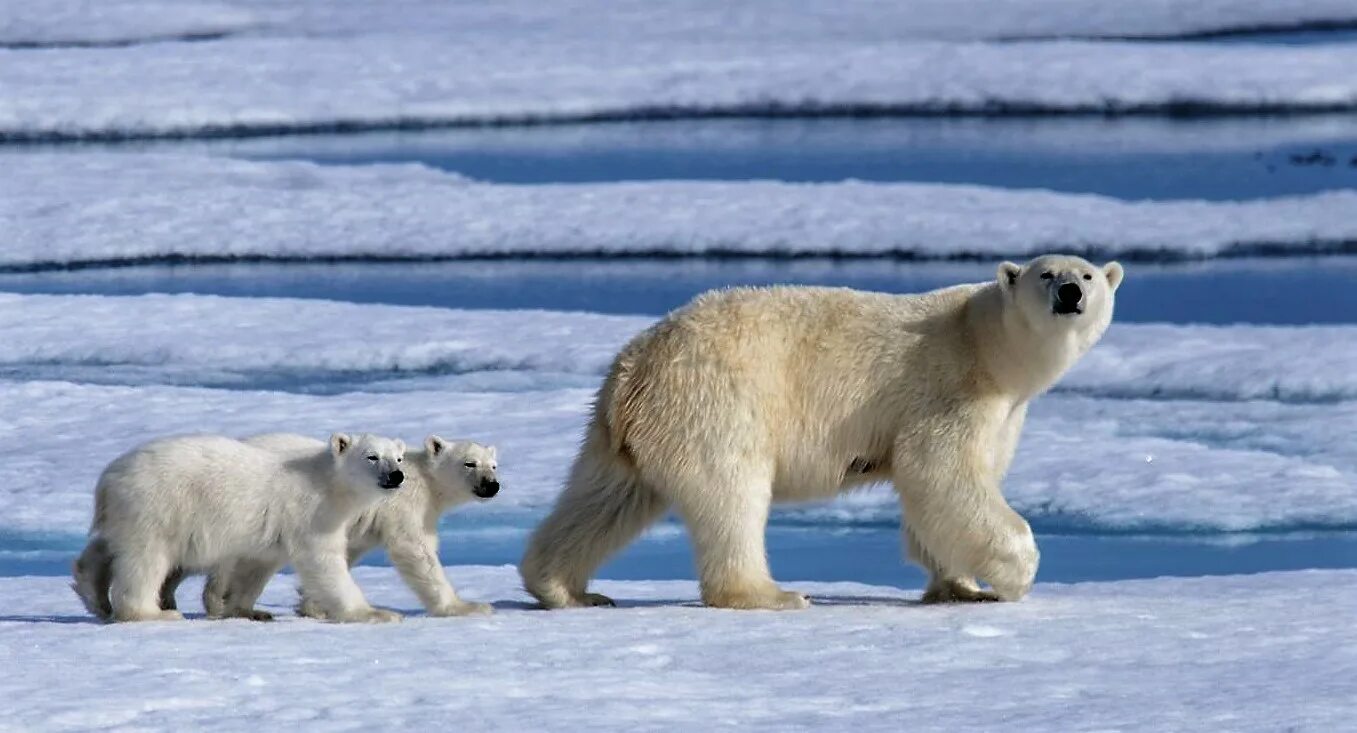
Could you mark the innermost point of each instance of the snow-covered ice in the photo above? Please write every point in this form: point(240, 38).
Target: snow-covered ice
point(117, 22)
point(591, 21)
point(1244, 653)
point(267, 84)
point(72, 208)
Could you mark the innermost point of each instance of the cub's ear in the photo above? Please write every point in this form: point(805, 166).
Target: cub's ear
point(339, 442)
point(435, 446)
point(1008, 275)
point(494, 452)
point(400, 446)
point(1114, 274)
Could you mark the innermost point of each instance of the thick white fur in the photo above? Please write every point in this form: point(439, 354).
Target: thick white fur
point(746, 397)
point(187, 504)
point(437, 479)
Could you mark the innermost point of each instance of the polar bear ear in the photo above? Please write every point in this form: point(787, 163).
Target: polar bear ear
point(1008, 275)
point(339, 442)
point(435, 446)
point(494, 453)
point(1114, 274)
point(400, 446)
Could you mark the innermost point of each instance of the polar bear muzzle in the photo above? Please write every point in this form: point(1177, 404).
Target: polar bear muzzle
point(487, 488)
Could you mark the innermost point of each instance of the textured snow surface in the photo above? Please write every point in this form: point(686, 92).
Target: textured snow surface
point(64, 209)
point(493, 71)
point(680, 21)
point(1243, 653)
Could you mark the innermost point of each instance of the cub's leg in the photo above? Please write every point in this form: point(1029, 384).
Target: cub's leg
point(416, 559)
point(327, 586)
point(248, 578)
point(139, 571)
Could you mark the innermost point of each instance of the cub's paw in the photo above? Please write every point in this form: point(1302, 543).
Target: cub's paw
point(464, 608)
point(382, 616)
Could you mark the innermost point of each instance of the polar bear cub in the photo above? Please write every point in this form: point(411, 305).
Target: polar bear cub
point(443, 475)
point(190, 503)
point(752, 396)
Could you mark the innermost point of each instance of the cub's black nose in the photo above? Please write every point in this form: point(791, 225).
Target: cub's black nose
point(393, 480)
point(1069, 294)
point(487, 489)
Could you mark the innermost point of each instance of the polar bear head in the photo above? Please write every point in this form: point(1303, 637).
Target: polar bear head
point(463, 468)
point(1056, 293)
point(368, 463)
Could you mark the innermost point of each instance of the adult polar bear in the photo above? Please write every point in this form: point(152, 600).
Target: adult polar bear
point(749, 396)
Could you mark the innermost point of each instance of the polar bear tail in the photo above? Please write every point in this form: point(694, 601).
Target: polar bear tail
point(93, 572)
point(603, 508)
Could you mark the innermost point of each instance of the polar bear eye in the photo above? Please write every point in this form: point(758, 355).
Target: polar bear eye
point(372, 458)
point(400, 460)
point(470, 464)
point(1046, 276)
point(1088, 276)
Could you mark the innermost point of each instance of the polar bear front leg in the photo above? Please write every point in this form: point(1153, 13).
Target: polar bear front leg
point(416, 559)
point(327, 586)
point(942, 589)
point(953, 509)
point(727, 522)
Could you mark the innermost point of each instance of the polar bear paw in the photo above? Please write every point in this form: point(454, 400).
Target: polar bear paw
point(956, 590)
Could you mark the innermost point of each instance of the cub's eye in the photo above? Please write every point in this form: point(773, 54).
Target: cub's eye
point(1088, 276)
point(400, 460)
point(470, 464)
point(1046, 276)
point(372, 458)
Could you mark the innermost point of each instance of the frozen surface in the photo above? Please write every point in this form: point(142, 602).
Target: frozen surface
point(65, 209)
point(1245, 653)
point(117, 22)
point(269, 84)
point(686, 21)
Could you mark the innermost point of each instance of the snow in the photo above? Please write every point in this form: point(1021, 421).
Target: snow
point(591, 21)
point(73, 208)
point(116, 22)
point(1246, 653)
point(267, 84)
point(1233, 438)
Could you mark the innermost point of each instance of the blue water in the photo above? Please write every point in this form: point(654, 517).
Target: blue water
point(1275, 291)
point(1136, 158)
point(1129, 158)
point(1139, 158)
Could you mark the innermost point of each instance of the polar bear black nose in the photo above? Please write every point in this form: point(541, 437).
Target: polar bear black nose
point(487, 488)
point(1069, 294)
point(393, 479)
